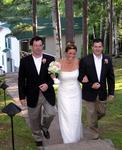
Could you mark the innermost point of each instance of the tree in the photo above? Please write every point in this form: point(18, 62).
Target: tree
point(69, 20)
point(110, 25)
point(34, 17)
point(98, 17)
point(85, 24)
point(56, 28)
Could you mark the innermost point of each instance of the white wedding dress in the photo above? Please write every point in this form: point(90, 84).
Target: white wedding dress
point(70, 107)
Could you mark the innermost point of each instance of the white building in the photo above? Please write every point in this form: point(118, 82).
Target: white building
point(9, 51)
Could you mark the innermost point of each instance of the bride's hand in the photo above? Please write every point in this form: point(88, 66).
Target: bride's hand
point(85, 79)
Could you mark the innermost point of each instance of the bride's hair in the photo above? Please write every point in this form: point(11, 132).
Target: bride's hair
point(70, 45)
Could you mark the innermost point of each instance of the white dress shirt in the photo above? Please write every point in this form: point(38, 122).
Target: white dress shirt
point(98, 65)
point(38, 62)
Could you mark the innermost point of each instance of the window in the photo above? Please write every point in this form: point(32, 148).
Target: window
point(8, 43)
point(2, 60)
point(25, 45)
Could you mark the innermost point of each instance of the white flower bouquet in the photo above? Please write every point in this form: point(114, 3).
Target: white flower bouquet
point(54, 70)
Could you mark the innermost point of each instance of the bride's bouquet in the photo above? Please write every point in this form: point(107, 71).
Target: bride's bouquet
point(54, 70)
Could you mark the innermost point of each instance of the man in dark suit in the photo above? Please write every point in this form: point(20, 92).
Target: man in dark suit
point(98, 70)
point(36, 88)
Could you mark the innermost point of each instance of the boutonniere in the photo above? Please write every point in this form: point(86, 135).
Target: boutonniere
point(105, 61)
point(44, 60)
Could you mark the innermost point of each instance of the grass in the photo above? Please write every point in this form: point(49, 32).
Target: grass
point(22, 134)
point(111, 124)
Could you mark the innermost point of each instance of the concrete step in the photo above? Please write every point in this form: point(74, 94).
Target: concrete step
point(83, 145)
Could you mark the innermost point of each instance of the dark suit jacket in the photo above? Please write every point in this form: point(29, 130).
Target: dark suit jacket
point(87, 67)
point(29, 80)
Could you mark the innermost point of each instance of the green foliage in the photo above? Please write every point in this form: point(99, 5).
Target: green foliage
point(14, 10)
point(7, 1)
point(78, 4)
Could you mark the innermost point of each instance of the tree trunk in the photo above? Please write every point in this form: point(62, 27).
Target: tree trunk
point(56, 28)
point(94, 34)
point(59, 29)
point(116, 43)
point(69, 20)
point(110, 26)
point(34, 17)
point(85, 27)
point(105, 34)
point(101, 27)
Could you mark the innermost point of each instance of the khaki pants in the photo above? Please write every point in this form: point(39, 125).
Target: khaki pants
point(35, 117)
point(95, 111)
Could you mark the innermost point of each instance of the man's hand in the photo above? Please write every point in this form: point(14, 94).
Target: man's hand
point(43, 87)
point(110, 98)
point(96, 85)
point(23, 102)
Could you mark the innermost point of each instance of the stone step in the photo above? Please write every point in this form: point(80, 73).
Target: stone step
point(83, 145)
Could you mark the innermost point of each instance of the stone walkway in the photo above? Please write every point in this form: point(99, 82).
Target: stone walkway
point(55, 142)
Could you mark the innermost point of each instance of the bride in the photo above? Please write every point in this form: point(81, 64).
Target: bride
point(69, 97)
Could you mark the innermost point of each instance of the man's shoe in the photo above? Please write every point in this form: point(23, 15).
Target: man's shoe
point(46, 133)
point(39, 143)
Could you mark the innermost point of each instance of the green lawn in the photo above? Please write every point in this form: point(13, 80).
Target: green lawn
point(111, 124)
point(22, 134)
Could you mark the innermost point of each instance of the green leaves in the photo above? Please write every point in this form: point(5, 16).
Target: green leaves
point(7, 1)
